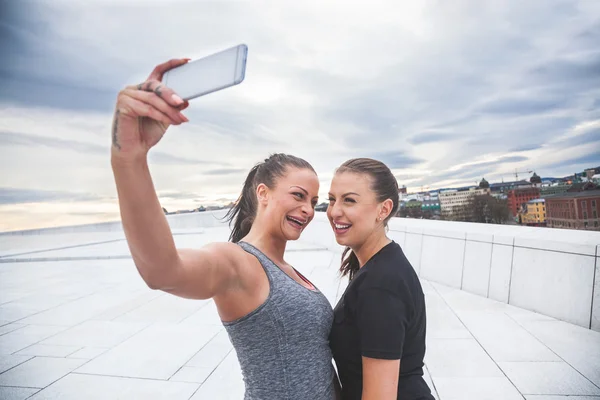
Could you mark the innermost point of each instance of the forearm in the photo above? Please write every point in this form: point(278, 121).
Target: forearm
point(146, 228)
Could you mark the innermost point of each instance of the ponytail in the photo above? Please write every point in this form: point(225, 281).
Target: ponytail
point(243, 213)
point(350, 264)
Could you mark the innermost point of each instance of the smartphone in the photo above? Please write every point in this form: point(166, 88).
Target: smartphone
point(208, 74)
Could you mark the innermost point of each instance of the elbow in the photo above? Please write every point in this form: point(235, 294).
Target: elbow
point(154, 279)
point(153, 284)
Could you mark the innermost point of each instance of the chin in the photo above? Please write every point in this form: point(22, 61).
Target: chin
point(342, 241)
point(293, 235)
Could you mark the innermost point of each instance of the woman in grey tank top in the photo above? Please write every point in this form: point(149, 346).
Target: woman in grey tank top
point(277, 320)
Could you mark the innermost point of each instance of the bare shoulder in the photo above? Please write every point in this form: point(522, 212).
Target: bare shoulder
point(226, 252)
point(218, 254)
point(206, 272)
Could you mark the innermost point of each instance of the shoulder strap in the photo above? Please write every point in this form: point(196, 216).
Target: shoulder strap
point(266, 263)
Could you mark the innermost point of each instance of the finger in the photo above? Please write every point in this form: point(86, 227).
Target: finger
point(141, 109)
point(185, 105)
point(162, 91)
point(157, 102)
point(160, 69)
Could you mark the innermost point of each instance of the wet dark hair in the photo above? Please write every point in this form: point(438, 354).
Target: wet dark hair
point(385, 186)
point(243, 213)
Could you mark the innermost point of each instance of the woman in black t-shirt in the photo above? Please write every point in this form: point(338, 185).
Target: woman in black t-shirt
point(378, 337)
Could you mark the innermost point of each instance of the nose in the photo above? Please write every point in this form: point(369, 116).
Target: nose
point(307, 209)
point(334, 210)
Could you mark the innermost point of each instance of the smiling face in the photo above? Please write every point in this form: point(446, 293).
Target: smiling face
point(353, 210)
point(289, 206)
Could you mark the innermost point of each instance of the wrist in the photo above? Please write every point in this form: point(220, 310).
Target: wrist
point(119, 159)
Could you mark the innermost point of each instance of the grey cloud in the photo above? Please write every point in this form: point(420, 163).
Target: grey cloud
point(508, 133)
point(225, 171)
point(584, 69)
point(590, 160)
point(23, 139)
point(393, 159)
point(20, 196)
point(432, 138)
point(28, 91)
point(512, 159)
point(467, 173)
point(520, 106)
point(502, 160)
point(170, 159)
point(41, 68)
point(526, 147)
point(473, 172)
point(590, 137)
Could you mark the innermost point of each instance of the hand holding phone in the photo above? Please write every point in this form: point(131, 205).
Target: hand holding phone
point(208, 74)
point(144, 112)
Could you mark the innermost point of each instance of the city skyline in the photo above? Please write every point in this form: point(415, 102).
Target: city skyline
point(445, 94)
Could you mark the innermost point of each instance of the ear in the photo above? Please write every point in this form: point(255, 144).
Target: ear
point(262, 193)
point(386, 208)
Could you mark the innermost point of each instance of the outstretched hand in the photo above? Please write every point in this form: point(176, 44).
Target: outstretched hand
point(144, 112)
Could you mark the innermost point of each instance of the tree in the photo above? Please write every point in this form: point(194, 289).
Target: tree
point(415, 212)
point(499, 211)
point(427, 214)
point(486, 209)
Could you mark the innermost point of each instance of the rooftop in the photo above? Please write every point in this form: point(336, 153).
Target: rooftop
point(77, 322)
point(575, 195)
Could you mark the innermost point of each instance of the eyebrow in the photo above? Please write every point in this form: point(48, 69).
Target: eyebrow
point(304, 190)
point(347, 194)
point(301, 188)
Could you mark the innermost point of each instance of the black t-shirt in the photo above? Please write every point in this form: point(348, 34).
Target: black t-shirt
point(382, 315)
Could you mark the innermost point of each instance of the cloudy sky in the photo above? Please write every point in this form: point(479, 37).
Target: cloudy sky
point(444, 92)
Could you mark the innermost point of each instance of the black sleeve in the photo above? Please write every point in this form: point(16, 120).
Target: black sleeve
point(382, 318)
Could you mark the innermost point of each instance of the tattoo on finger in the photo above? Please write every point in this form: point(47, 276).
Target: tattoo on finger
point(148, 87)
point(139, 87)
point(115, 131)
point(158, 91)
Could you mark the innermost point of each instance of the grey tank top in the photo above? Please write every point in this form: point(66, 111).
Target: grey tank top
point(283, 345)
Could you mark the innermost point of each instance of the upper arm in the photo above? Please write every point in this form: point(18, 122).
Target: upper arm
point(380, 379)
point(382, 318)
point(202, 273)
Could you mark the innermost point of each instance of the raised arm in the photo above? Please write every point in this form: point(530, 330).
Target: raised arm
point(142, 115)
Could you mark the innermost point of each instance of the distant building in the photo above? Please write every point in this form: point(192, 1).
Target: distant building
point(577, 210)
point(484, 184)
point(402, 190)
point(504, 187)
point(520, 196)
point(322, 207)
point(580, 187)
point(453, 202)
point(553, 189)
point(432, 204)
point(535, 179)
point(589, 173)
point(533, 213)
point(413, 204)
point(414, 196)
